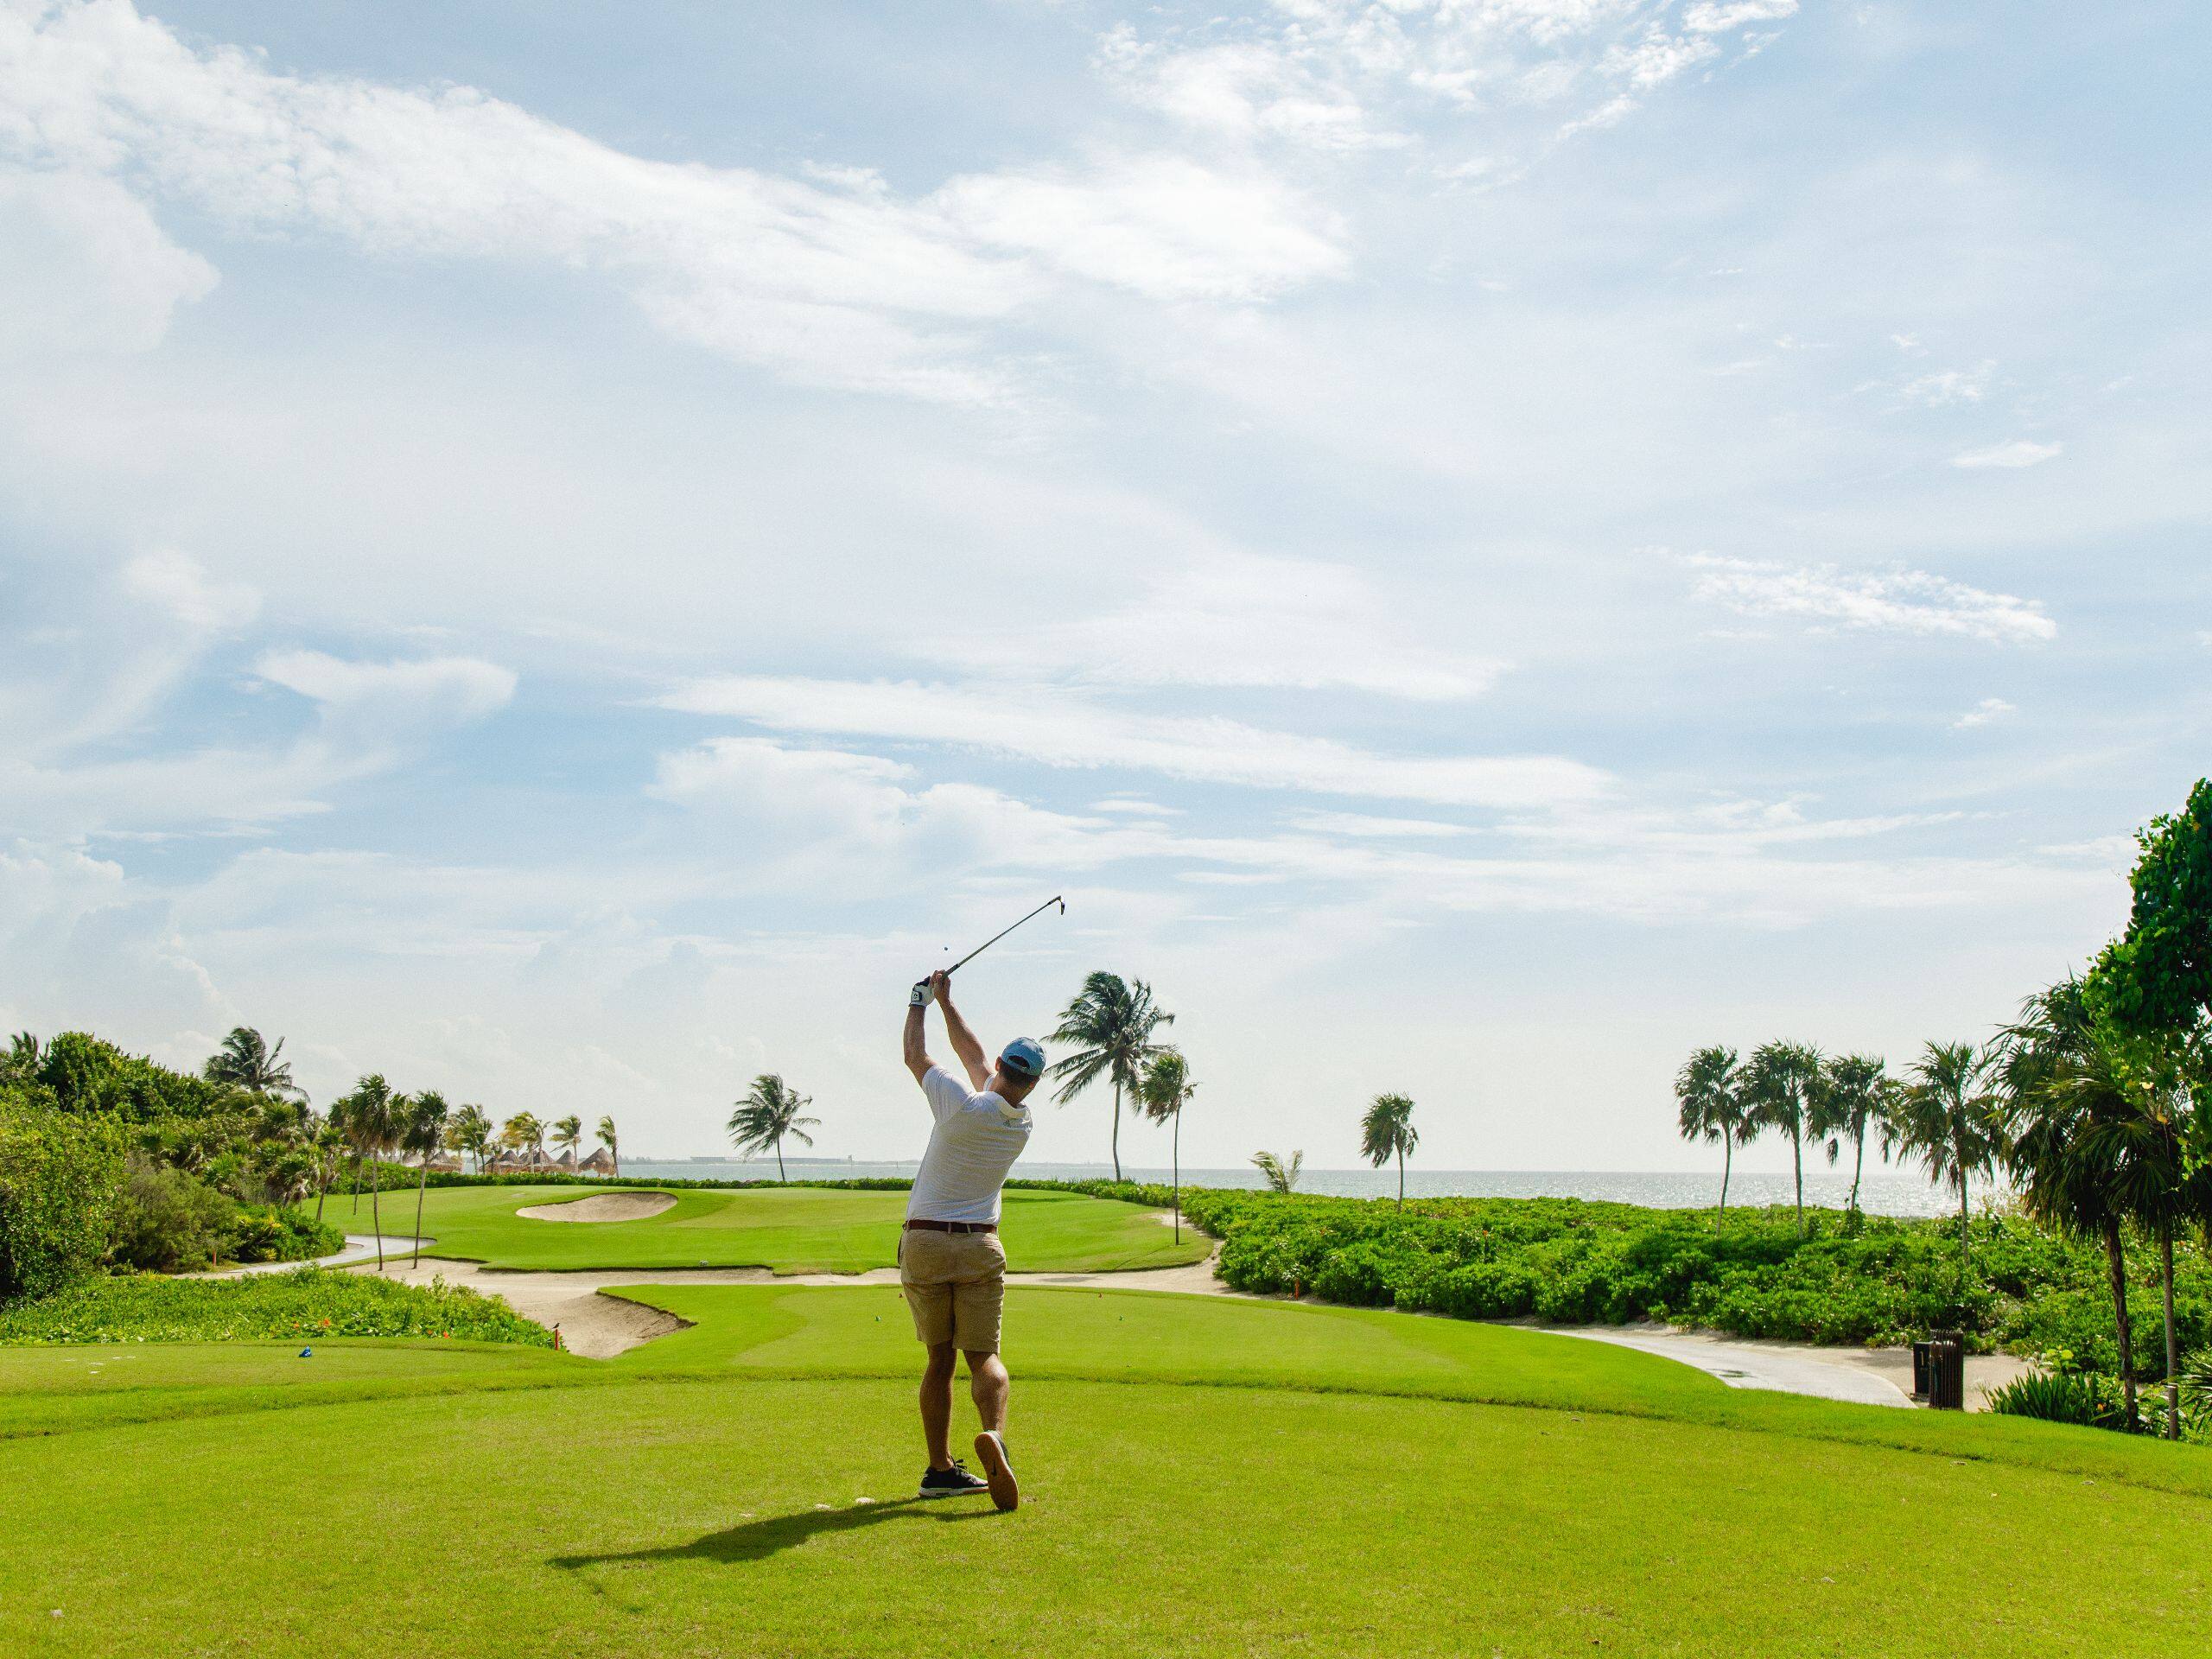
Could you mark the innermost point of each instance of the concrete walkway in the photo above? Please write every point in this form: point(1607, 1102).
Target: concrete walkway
point(360, 1248)
point(1869, 1376)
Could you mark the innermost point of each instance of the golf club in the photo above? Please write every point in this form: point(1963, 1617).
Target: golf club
point(922, 985)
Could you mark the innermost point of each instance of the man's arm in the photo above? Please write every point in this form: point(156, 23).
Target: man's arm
point(916, 1057)
point(963, 1040)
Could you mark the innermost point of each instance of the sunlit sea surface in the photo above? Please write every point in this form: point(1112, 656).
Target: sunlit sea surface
point(1885, 1194)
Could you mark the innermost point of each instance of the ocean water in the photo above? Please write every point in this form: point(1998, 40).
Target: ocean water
point(1884, 1194)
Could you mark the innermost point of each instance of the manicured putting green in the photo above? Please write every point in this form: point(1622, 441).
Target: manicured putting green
point(788, 1230)
point(700, 1497)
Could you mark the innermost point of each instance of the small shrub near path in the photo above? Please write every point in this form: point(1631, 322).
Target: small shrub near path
point(307, 1304)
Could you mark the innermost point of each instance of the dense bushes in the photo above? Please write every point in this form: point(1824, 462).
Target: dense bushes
point(2083, 1398)
point(167, 1222)
point(307, 1303)
point(1565, 1261)
point(59, 1179)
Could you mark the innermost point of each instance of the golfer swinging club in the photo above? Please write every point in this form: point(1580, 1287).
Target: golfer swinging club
point(950, 1263)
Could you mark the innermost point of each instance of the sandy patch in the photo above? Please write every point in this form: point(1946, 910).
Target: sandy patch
point(603, 1206)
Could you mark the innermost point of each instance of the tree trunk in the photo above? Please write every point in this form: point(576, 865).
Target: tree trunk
point(2123, 1326)
point(321, 1187)
point(1858, 1166)
point(422, 1185)
point(617, 1157)
point(1175, 1158)
point(1117, 1128)
point(1401, 1181)
point(779, 1161)
point(2166, 1274)
point(1966, 1252)
point(1727, 1163)
point(1797, 1158)
point(376, 1222)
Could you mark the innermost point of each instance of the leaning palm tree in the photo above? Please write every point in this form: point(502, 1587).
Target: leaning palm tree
point(325, 1145)
point(1111, 1020)
point(372, 1119)
point(569, 1135)
point(2058, 1079)
point(422, 1132)
point(1387, 1132)
point(768, 1113)
point(1164, 1091)
point(1853, 1094)
point(1780, 1082)
point(248, 1062)
point(471, 1134)
point(607, 1139)
point(1282, 1177)
point(1714, 1107)
point(523, 1132)
point(1947, 1118)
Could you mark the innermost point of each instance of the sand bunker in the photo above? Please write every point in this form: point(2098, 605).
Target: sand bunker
point(603, 1206)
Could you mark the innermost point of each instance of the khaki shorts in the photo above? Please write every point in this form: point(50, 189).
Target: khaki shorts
point(955, 1284)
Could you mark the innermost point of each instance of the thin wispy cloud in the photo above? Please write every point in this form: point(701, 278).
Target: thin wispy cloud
point(1896, 600)
point(2008, 457)
point(1984, 713)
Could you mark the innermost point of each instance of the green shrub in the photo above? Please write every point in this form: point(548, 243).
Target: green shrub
point(2083, 1398)
point(58, 1181)
point(307, 1303)
point(170, 1221)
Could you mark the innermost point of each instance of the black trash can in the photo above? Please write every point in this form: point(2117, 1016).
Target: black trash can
point(1920, 1369)
point(1946, 1371)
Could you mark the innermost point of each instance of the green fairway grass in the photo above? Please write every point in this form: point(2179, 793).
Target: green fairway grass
point(788, 1230)
point(1203, 1476)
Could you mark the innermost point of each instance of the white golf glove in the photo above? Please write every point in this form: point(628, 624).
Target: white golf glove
point(921, 997)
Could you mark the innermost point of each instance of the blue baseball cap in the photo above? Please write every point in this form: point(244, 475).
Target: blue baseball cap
point(1023, 1058)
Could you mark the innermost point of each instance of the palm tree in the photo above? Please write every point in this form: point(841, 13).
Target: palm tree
point(1947, 1118)
point(472, 1132)
point(523, 1131)
point(1111, 1020)
point(607, 1139)
point(1282, 1177)
point(246, 1062)
point(1164, 1092)
point(569, 1134)
point(371, 1120)
point(328, 1139)
point(1780, 1082)
point(1853, 1095)
point(1714, 1107)
point(2057, 1080)
point(1388, 1131)
point(768, 1113)
point(423, 1131)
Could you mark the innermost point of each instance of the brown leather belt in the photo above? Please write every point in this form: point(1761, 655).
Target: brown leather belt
point(918, 1225)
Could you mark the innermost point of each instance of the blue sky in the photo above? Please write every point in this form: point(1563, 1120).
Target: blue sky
point(567, 554)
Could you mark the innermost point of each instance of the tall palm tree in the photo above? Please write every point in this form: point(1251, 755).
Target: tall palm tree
point(248, 1062)
point(472, 1132)
point(423, 1131)
point(768, 1113)
point(607, 1139)
point(1386, 1132)
point(1282, 1177)
point(1780, 1082)
point(2057, 1079)
point(569, 1135)
point(372, 1119)
point(1713, 1106)
point(1947, 1118)
point(1853, 1093)
point(523, 1132)
point(1165, 1089)
point(329, 1140)
point(1111, 1020)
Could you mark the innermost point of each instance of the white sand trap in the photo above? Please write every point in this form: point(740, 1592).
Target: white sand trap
point(603, 1206)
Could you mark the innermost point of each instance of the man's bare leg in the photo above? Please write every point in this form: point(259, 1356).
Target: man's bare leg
point(990, 1385)
point(936, 1404)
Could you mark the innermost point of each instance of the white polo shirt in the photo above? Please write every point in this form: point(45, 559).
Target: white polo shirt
point(976, 1140)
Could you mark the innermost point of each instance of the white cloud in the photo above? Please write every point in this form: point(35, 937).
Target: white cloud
point(178, 584)
point(1897, 601)
point(1249, 621)
point(1709, 17)
point(1366, 826)
point(85, 268)
point(1988, 710)
point(2021, 452)
point(1057, 729)
point(443, 689)
point(1948, 386)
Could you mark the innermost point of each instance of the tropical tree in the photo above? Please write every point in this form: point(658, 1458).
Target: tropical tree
point(2059, 1076)
point(1386, 1132)
point(523, 1132)
point(246, 1062)
point(1111, 1020)
point(1852, 1097)
point(1947, 1116)
point(326, 1145)
point(1714, 1107)
point(370, 1115)
point(768, 1113)
point(1163, 1092)
point(1780, 1081)
point(471, 1132)
point(1282, 1177)
point(569, 1135)
point(607, 1139)
point(423, 1131)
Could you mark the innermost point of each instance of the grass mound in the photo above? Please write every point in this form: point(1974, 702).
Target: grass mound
point(309, 1303)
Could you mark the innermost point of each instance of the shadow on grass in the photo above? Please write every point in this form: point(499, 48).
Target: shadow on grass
point(757, 1539)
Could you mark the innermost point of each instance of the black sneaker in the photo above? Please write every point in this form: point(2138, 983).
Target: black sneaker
point(990, 1451)
point(955, 1482)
